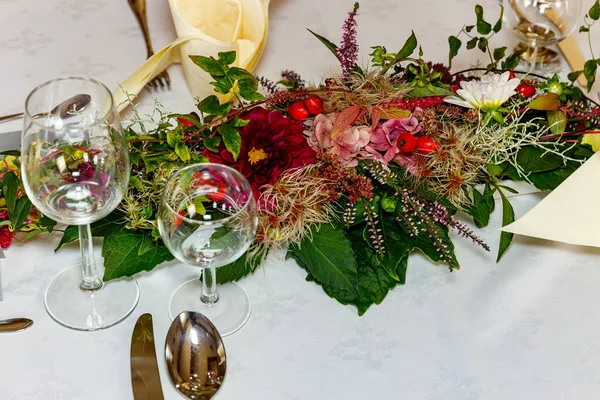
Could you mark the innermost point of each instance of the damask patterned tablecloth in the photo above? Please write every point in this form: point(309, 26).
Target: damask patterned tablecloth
point(525, 328)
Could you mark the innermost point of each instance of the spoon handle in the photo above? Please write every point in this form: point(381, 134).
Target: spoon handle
point(10, 117)
point(15, 324)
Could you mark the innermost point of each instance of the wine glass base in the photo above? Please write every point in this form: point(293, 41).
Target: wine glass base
point(228, 314)
point(83, 310)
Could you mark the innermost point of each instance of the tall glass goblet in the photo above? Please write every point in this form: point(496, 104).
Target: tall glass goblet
point(541, 22)
point(75, 170)
point(207, 218)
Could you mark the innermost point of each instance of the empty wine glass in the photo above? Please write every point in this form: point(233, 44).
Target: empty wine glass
point(541, 22)
point(75, 170)
point(207, 218)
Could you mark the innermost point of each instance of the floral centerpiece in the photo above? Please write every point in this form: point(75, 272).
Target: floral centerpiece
point(353, 173)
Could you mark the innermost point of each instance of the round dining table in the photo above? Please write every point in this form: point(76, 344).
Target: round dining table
point(527, 327)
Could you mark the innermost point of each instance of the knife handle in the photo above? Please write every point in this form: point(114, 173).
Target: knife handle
point(15, 324)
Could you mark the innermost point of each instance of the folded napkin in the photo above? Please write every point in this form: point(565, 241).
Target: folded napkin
point(567, 214)
point(204, 27)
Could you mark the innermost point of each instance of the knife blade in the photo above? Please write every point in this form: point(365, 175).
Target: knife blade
point(145, 378)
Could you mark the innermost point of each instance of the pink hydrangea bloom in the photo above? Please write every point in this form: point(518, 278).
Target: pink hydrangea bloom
point(385, 136)
point(348, 146)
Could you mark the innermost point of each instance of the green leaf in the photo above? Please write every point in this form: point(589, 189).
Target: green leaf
point(594, 12)
point(22, 210)
point(236, 73)
point(328, 257)
point(186, 178)
point(395, 247)
point(494, 170)
point(483, 27)
point(47, 223)
point(15, 153)
point(583, 29)
point(31, 234)
point(537, 159)
point(511, 61)
point(499, 53)
point(211, 105)
point(113, 222)
point(454, 44)
point(488, 195)
point(557, 120)
point(239, 123)
point(550, 180)
point(226, 57)
point(498, 26)
point(330, 45)
point(469, 28)
point(408, 48)
point(128, 252)
point(429, 92)
point(546, 102)
point(231, 139)
point(238, 269)
point(222, 85)
point(209, 64)
point(479, 209)
point(472, 43)
point(589, 71)
point(182, 152)
point(248, 89)
point(135, 182)
point(573, 76)
point(211, 142)
point(508, 217)
point(174, 137)
point(483, 44)
point(10, 185)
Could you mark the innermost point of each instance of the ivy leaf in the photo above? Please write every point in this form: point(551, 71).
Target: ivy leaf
point(589, 71)
point(238, 269)
point(236, 73)
point(483, 44)
point(231, 139)
point(455, 45)
point(226, 57)
point(511, 61)
point(182, 152)
point(583, 29)
point(483, 27)
point(546, 102)
point(469, 28)
point(329, 44)
point(594, 12)
point(328, 257)
point(472, 43)
point(248, 89)
point(128, 252)
point(408, 48)
point(508, 217)
point(498, 26)
point(557, 120)
point(499, 53)
point(212, 105)
point(209, 64)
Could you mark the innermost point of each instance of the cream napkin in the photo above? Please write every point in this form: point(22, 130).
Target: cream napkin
point(567, 214)
point(204, 27)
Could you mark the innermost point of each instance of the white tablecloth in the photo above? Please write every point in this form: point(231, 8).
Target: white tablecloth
point(525, 328)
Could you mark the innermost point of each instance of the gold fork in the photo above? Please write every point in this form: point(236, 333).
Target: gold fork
point(139, 10)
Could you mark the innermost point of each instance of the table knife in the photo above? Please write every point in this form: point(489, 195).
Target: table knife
point(145, 378)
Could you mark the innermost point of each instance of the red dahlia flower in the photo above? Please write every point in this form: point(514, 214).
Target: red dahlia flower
point(271, 144)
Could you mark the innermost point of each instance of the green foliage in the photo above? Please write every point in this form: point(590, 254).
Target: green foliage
point(508, 217)
point(239, 269)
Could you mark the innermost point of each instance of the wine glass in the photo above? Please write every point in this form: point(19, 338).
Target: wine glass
point(541, 22)
point(207, 218)
point(75, 170)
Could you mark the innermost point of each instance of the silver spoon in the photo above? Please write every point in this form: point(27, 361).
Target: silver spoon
point(64, 109)
point(15, 324)
point(195, 356)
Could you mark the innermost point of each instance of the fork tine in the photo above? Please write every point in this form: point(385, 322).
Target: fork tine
point(151, 84)
point(167, 79)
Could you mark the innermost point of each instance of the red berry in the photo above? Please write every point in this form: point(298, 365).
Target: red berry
point(511, 75)
point(217, 193)
point(298, 111)
point(406, 142)
point(179, 221)
point(525, 90)
point(314, 104)
point(426, 145)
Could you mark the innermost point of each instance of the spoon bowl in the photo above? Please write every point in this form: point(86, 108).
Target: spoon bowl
point(71, 105)
point(195, 356)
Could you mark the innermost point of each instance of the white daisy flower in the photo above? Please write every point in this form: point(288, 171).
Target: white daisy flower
point(486, 94)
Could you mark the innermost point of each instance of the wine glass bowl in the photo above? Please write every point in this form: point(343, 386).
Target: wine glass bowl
point(75, 170)
point(541, 22)
point(207, 218)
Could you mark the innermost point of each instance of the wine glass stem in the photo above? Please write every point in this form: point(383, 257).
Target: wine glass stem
point(209, 286)
point(90, 279)
point(533, 60)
